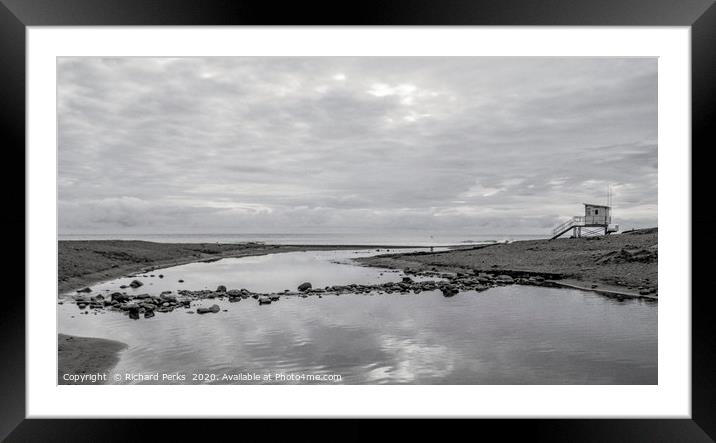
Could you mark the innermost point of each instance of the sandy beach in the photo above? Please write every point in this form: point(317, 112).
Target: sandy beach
point(622, 264)
point(81, 359)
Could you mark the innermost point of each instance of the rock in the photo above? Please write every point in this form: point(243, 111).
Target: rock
point(85, 290)
point(274, 297)
point(161, 276)
point(133, 312)
point(212, 309)
point(304, 286)
point(136, 284)
point(168, 297)
point(407, 280)
point(181, 281)
point(449, 291)
point(505, 279)
point(221, 288)
point(81, 305)
point(148, 314)
point(264, 300)
point(629, 254)
point(123, 287)
point(119, 297)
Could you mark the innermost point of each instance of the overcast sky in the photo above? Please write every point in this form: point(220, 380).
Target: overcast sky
point(353, 144)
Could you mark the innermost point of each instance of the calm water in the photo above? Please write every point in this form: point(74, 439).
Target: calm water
point(505, 335)
point(369, 238)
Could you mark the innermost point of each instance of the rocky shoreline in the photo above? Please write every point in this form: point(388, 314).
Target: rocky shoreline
point(622, 265)
point(85, 262)
point(449, 284)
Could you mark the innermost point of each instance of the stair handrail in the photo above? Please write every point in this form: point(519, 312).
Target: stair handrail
point(568, 224)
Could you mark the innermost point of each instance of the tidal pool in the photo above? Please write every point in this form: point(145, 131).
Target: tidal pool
point(505, 335)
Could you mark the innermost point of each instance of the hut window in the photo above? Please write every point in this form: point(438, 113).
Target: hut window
point(596, 212)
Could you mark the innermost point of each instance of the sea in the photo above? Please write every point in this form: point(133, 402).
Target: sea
point(391, 239)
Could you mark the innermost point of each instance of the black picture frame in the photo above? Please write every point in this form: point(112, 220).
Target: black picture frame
point(700, 15)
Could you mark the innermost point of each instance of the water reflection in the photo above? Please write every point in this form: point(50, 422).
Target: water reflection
point(506, 335)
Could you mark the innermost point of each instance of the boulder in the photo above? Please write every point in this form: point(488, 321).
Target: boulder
point(264, 300)
point(221, 288)
point(119, 297)
point(274, 297)
point(168, 297)
point(133, 312)
point(136, 284)
point(212, 309)
point(84, 290)
point(304, 286)
point(449, 291)
point(505, 279)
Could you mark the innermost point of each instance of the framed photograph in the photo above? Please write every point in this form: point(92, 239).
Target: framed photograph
point(414, 211)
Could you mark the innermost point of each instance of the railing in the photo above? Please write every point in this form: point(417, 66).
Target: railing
point(582, 221)
point(574, 221)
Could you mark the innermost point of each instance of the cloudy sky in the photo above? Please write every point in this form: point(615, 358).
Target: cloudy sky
point(353, 144)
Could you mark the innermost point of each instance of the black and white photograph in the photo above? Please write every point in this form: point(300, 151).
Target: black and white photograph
point(357, 220)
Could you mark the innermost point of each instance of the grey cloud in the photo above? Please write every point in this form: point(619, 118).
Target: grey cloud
point(299, 144)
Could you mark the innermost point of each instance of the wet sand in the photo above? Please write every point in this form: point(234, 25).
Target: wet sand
point(85, 360)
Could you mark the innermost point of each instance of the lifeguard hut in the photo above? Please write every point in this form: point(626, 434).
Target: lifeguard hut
point(597, 220)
